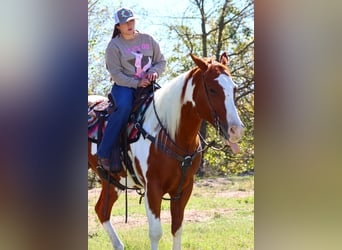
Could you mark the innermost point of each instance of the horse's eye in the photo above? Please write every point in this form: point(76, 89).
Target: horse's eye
point(212, 91)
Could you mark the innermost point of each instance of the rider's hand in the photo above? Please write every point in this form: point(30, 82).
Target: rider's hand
point(144, 83)
point(152, 76)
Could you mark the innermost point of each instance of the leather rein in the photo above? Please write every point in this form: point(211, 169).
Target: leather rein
point(185, 161)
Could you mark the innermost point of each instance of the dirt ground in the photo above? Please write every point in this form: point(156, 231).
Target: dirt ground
point(217, 184)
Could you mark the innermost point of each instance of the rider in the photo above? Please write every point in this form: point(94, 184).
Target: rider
point(129, 55)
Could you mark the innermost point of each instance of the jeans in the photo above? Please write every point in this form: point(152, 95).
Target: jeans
point(123, 98)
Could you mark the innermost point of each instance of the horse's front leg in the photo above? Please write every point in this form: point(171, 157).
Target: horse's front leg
point(177, 215)
point(103, 210)
point(153, 198)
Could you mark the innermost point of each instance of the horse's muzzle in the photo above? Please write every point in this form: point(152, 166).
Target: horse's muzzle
point(233, 135)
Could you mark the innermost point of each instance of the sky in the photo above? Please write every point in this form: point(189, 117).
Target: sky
point(155, 7)
point(154, 15)
point(158, 12)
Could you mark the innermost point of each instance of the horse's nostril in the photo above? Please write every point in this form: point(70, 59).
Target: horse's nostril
point(232, 130)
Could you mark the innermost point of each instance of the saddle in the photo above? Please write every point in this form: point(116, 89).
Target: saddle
point(99, 108)
point(142, 99)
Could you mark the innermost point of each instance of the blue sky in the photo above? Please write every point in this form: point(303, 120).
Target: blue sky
point(158, 12)
point(153, 14)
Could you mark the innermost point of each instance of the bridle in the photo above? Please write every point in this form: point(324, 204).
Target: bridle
point(184, 157)
point(186, 161)
point(219, 126)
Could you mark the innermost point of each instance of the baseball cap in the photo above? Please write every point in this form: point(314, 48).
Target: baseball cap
point(123, 15)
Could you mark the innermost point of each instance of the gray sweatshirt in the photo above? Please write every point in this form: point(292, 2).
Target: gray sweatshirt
point(128, 60)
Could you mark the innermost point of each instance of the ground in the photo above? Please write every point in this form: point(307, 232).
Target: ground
point(217, 187)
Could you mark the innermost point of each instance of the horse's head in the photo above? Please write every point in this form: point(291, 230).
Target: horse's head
point(214, 98)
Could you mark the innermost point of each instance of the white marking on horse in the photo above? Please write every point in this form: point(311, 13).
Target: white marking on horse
point(228, 86)
point(168, 108)
point(155, 228)
point(188, 97)
point(114, 238)
point(140, 150)
point(93, 148)
point(177, 239)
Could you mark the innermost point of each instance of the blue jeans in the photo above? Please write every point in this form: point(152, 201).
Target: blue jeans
point(123, 97)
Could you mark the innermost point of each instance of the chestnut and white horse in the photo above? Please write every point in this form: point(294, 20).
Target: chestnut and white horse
point(167, 159)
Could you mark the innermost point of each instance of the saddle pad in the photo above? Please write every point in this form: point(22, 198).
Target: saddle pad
point(133, 134)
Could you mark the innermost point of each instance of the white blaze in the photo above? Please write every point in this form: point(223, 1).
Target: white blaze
point(228, 87)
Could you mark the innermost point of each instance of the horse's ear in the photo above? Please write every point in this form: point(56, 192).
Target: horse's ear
point(224, 58)
point(203, 65)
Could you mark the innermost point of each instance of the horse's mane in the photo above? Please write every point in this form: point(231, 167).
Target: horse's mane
point(168, 105)
point(169, 100)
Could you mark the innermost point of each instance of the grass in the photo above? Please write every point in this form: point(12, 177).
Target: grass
point(219, 215)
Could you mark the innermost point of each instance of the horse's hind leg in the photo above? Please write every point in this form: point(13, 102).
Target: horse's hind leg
point(103, 210)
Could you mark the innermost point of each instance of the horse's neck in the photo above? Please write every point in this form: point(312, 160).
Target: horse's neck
point(188, 127)
point(175, 107)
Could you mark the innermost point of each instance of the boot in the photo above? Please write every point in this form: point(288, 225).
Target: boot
point(104, 163)
point(116, 162)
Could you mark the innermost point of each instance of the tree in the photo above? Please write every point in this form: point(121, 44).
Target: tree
point(209, 29)
point(99, 34)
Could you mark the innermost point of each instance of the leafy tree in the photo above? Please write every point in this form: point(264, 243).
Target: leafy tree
point(206, 28)
point(209, 29)
point(99, 34)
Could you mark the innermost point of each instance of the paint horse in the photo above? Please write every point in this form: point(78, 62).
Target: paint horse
point(167, 157)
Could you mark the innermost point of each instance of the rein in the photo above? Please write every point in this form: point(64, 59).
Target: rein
point(185, 161)
point(210, 144)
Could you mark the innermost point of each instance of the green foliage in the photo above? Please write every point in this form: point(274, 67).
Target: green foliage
point(93, 180)
point(99, 33)
point(206, 29)
point(223, 162)
point(225, 27)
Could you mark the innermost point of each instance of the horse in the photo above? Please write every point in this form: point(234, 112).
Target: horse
point(168, 156)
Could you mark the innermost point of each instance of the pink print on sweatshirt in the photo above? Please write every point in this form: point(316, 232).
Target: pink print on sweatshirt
point(139, 70)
